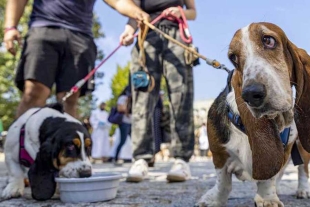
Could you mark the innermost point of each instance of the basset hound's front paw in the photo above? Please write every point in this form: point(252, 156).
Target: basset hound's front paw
point(274, 202)
point(13, 190)
point(302, 194)
point(210, 199)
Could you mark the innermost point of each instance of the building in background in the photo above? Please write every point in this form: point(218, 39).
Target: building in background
point(201, 109)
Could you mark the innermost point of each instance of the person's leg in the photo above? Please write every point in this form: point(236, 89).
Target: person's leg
point(35, 95)
point(143, 108)
point(38, 66)
point(179, 78)
point(144, 102)
point(78, 60)
point(124, 129)
point(71, 104)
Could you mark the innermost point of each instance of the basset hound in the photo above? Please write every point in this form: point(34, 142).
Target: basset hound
point(46, 142)
point(245, 121)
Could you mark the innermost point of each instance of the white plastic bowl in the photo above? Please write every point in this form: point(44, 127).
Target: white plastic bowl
point(98, 187)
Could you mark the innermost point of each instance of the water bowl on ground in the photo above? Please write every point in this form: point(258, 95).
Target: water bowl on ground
point(99, 187)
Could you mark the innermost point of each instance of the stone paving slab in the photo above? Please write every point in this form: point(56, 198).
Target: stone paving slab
point(156, 192)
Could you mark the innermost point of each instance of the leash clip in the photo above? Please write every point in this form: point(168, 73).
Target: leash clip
point(68, 94)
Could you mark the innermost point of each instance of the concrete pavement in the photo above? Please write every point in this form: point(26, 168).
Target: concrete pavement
point(156, 192)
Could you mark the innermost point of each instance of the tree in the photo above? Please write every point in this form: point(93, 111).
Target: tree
point(118, 83)
point(9, 94)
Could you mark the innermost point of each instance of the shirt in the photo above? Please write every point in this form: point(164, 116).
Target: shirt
point(76, 15)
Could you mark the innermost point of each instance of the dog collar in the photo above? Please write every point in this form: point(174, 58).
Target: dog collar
point(237, 122)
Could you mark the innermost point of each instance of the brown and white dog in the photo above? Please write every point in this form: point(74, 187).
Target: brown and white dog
point(45, 142)
point(267, 66)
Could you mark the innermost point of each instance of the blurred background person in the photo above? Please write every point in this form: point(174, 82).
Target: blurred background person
point(203, 140)
point(124, 106)
point(100, 133)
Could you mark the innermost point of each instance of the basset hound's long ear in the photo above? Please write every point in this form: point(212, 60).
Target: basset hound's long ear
point(300, 78)
point(267, 149)
point(41, 174)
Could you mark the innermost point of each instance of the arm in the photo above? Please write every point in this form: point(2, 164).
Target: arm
point(190, 11)
point(14, 11)
point(127, 8)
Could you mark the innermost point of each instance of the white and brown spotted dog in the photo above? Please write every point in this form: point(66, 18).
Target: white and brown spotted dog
point(46, 142)
point(260, 93)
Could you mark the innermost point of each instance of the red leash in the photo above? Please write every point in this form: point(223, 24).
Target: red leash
point(184, 32)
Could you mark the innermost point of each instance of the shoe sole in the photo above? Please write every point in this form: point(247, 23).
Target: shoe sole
point(134, 179)
point(174, 178)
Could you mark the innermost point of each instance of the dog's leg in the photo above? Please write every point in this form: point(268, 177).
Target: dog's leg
point(303, 186)
point(218, 195)
point(303, 174)
point(266, 194)
point(280, 175)
point(15, 187)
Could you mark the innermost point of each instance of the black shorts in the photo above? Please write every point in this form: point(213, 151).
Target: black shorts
point(53, 55)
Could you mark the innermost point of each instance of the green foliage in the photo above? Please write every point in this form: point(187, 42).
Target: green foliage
point(118, 83)
point(9, 95)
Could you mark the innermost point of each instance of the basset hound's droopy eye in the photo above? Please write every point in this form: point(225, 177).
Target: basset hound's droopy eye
point(269, 42)
point(234, 59)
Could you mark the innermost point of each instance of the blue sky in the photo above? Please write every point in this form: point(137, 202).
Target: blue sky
point(213, 29)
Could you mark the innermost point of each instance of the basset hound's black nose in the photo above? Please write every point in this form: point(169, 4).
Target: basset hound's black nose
point(254, 94)
point(85, 173)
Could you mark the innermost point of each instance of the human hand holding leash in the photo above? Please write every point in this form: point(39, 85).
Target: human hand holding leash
point(174, 11)
point(127, 37)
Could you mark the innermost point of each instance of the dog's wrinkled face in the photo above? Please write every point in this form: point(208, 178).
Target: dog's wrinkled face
point(258, 51)
point(71, 155)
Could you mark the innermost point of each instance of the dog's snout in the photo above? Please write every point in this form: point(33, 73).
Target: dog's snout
point(254, 94)
point(85, 173)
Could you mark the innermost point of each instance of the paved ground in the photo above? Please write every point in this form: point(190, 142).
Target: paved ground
point(156, 192)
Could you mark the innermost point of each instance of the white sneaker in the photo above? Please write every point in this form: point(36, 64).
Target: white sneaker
point(179, 172)
point(138, 171)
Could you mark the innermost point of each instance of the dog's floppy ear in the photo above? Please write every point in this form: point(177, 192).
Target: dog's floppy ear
point(267, 149)
point(300, 64)
point(41, 174)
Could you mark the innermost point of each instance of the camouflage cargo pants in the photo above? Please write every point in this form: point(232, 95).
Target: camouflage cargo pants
point(163, 58)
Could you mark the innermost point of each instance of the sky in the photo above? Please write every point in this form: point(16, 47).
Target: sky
point(212, 31)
